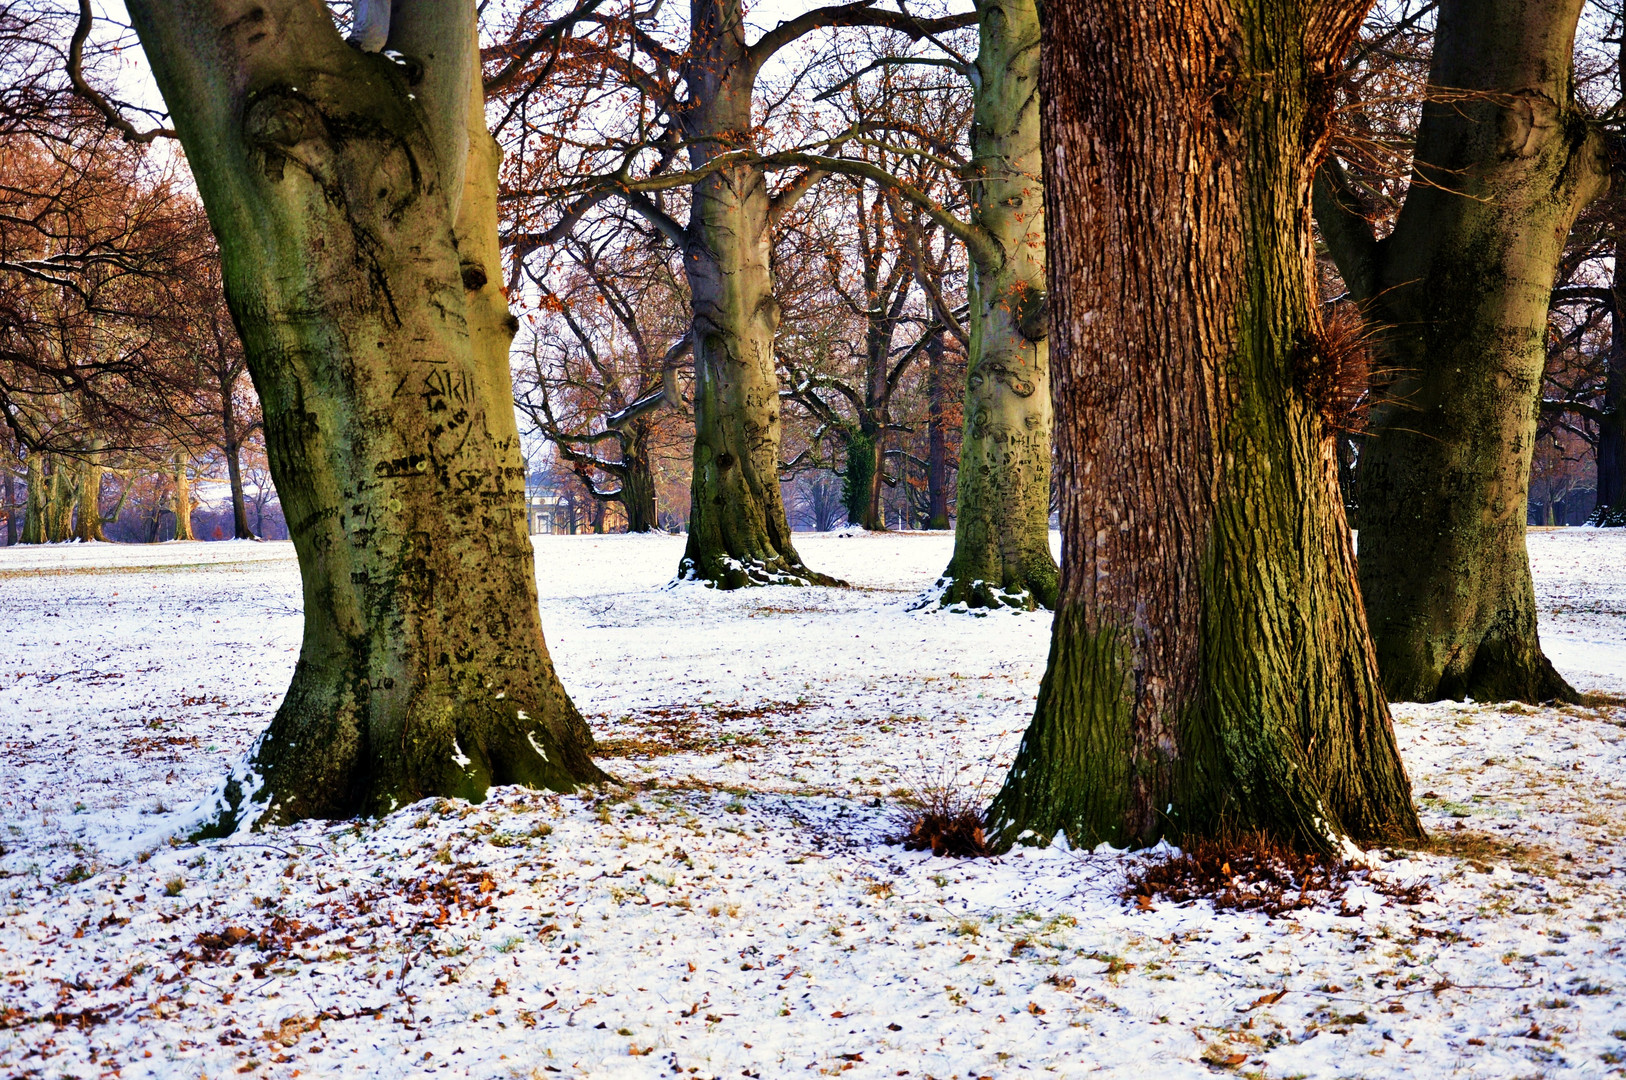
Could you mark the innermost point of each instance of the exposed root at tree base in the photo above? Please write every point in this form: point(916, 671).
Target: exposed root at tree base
point(975, 598)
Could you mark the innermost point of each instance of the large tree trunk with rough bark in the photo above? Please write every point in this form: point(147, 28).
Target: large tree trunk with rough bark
point(1460, 290)
point(1210, 671)
point(1002, 524)
point(363, 277)
point(738, 532)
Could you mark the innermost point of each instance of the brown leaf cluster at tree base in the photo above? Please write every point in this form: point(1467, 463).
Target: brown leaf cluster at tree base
point(1256, 874)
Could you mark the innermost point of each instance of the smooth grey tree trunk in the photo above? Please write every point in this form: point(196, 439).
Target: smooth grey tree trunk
point(739, 534)
point(1459, 292)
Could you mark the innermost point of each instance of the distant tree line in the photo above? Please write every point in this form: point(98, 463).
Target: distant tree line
point(123, 385)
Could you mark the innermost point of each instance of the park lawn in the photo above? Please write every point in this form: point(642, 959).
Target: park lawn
point(736, 907)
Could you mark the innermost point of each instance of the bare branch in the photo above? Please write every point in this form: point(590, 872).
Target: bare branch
point(81, 86)
point(862, 13)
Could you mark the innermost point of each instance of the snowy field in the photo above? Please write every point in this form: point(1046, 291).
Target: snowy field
point(735, 910)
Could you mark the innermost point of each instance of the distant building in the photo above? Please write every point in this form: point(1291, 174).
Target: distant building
point(545, 511)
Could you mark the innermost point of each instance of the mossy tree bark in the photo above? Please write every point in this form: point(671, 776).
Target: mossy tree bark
point(1002, 525)
point(861, 476)
point(1460, 289)
point(1210, 670)
point(638, 482)
point(352, 209)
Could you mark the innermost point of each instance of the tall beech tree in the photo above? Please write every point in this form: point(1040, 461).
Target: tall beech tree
point(849, 366)
point(594, 380)
point(695, 107)
point(1002, 526)
point(354, 200)
point(1210, 669)
point(1459, 293)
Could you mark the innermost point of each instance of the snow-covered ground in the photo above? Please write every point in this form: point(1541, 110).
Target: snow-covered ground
point(735, 910)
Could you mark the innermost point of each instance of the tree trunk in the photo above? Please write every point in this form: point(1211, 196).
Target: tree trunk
point(182, 499)
point(1002, 524)
point(34, 510)
point(739, 534)
point(377, 338)
point(234, 466)
point(1610, 508)
point(638, 482)
point(88, 526)
point(156, 517)
point(861, 479)
point(937, 516)
point(1210, 671)
point(1348, 451)
point(60, 502)
point(11, 507)
point(1505, 161)
point(875, 508)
